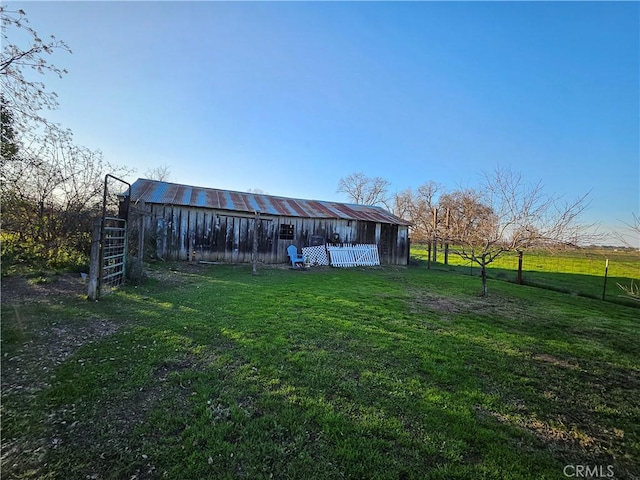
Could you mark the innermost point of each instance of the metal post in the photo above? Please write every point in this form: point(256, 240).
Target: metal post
point(606, 273)
point(519, 278)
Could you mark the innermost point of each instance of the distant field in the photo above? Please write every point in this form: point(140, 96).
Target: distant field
point(579, 272)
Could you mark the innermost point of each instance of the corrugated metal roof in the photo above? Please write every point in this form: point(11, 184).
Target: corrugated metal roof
point(153, 191)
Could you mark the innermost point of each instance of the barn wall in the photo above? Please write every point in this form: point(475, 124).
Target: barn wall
point(191, 233)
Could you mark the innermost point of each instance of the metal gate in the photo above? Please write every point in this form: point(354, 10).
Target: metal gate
point(113, 252)
point(108, 249)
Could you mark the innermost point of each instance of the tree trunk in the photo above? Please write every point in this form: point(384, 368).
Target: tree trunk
point(484, 281)
point(484, 276)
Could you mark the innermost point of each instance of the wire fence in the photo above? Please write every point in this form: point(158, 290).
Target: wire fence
point(601, 273)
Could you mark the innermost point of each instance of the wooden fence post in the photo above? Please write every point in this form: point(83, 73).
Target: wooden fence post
point(141, 238)
point(94, 266)
point(446, 245)
point(137, 263)
point(435, 234)
point(254, 249)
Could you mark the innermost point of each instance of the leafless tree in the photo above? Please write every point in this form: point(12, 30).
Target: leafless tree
point(23, 98)
point(50, 188)
point(52, 191)
point(23, 50)
point(161, 173)
point(506, 215)
point(365, 190)
point(633, 229)
point(402, 203)
point(630, 229)
point(418, 208)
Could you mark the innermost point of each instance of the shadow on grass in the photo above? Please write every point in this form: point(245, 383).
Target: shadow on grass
point(588, 286)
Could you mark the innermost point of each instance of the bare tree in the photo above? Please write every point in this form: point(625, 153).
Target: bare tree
point(50, 188)
point(365, 190)
point(161, 173)
point(402, 203)
point(23, 50)
point(52, 191)
point(633, 229)
point(23, 98)
point(418, 208)
point(506, 215)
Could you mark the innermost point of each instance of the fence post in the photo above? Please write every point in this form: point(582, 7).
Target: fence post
point(94, 265)
point(519, 277)
point(141, 238)
point(435, 235)
point(606, 272)
point(446, 245)
point(254, 246)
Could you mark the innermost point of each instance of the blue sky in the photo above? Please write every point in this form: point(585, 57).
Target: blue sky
point(289, 97)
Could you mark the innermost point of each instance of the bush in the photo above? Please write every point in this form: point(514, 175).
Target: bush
point(19, 255)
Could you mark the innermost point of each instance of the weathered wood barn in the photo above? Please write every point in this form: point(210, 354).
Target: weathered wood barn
point(195, 223)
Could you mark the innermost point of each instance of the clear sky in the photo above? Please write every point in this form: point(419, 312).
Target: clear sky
point(289, 97)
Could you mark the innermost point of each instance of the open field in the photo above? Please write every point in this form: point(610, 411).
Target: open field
point(390, 373)
point(579, 272)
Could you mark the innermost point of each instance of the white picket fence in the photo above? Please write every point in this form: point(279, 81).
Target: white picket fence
point(345, 255)
point(358, 255)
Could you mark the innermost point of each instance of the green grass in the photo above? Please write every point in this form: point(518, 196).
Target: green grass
point(330, 373)
point(578, 272)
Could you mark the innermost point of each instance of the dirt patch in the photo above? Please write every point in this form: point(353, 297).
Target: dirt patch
point(28, 367)
point(557, 439)
point(493, 305)
point(568, 438)
point(175, 274)
point(550, 359)
point(35, 346)
point(20, 290)
point(439, 304)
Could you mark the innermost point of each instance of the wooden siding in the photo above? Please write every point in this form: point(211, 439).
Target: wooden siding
point(193, 233)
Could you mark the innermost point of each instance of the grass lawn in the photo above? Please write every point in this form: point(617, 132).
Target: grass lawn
point(207, 372)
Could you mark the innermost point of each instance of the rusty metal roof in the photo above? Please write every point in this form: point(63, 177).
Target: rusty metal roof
point(164, 193)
